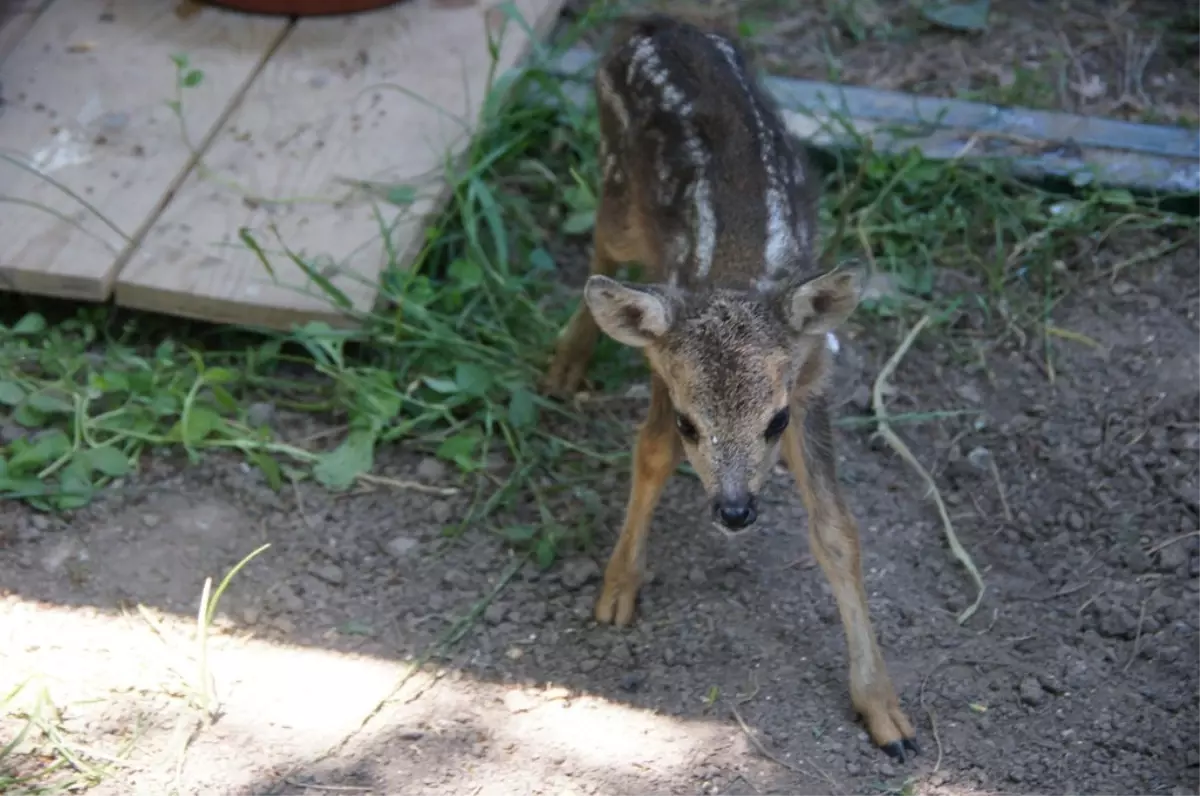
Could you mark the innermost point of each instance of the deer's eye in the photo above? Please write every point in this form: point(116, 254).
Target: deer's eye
point(778, 425)
point(687, 429)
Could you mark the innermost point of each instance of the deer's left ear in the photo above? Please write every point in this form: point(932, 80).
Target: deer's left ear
point(820, 305)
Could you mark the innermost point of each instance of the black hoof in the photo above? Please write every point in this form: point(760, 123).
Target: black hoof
point(896, 749)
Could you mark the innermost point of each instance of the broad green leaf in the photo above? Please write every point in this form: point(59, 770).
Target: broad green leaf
point(544, 553)
point(402, 195)
point(107, 460)
point(465, 274)
point(219, 375)
point(269, 467)
point(199, 422)
point(51, 402)
point(338, 468)
point(29, 417)
point(519, 533)
point(193, 78)
point(459, 449)
point(76, 483)
point(472, 379)
point(35, 455)
point(223, 398)
point(32, 323)
point(540, 260)
point(11, 393)
point(522, 411)
point(971, 15)
point(164, 404)
point(444, 386)
point(109, 381)
point(579, 223)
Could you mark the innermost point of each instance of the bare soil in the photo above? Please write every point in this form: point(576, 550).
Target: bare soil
point(1078, 674)
point(1135, 61)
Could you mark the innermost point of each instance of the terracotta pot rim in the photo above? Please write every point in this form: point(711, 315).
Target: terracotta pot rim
point(303, 8)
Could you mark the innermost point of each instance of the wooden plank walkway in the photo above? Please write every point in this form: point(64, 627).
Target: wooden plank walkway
point(288, 117)
point(86, 123)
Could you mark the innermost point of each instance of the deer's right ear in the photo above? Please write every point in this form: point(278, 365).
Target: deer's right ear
point(627, 314)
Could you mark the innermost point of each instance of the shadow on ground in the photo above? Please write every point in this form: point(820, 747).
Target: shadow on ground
point(1079, 673)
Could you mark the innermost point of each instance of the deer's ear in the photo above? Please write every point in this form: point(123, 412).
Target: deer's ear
point(820, 305)
point(629, 315)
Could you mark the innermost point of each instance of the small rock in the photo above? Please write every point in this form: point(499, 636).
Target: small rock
point(696, 575)
point(410, 735)
point(519, 702)
point(283, 624)
point(1172, 557)
point(980, 458)
point(1186, 441)
point(330, 573)
point(1031, 692)
point(494, 614)
point(250, 615)
point(589, 665)
point(886, 771)
point(1122, 288)
point(456, 578)
point(514, 653)
point(150, 520)
point(578, 572)
point(441, 511)
point(632, 681)
point(853, 768)
point(1050, 683)
point(431, 469)
point(40, 522)
point(260, 414)
point(1075, 521)
point(400, 547)
point(1091, 435)
point(969, 392)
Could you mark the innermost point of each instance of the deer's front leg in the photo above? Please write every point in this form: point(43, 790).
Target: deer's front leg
point(833, 537)
point(655, 457)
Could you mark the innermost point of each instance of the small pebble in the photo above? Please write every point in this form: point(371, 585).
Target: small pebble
point(431, 469)
point(578, 572)
point(1031, 692)
point(330, 573)
point(401, 547)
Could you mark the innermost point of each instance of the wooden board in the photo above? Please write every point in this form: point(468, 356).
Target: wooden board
point(333, 106)
point(86, 91)
point(16, 18)
point(1039, 144)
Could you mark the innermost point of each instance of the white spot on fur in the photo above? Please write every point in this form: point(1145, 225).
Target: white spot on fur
point(706, 227)
point(645, 62)
point(832, 343)
point(781, 246)
point(611, 99)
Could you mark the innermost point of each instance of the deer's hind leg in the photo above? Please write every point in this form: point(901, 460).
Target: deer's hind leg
point(833, 538)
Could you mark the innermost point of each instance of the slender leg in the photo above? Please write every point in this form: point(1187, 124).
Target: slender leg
point(577, 342)
point(833, 537)
point(657, 454)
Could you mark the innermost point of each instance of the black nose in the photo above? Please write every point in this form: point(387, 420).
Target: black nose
point(735, 513)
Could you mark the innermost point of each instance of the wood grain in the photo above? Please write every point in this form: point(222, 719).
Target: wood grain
point(86, 91)
point(333, 107)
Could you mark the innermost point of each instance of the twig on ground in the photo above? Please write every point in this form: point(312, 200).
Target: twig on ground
point(1008, 515)
point(1171, 541)
point(413, 486)
point(1137, 638)
point(774, 758)
point(330, 788)
point(884, 430)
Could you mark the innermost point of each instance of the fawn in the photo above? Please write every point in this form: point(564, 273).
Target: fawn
point(706, 188)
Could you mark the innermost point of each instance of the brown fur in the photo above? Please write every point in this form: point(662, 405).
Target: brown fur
point(704, 186)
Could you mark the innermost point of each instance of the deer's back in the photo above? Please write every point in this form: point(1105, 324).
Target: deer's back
point(701, 157)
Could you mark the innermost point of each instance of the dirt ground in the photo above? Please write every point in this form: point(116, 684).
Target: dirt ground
point(1078, 675)
point(1136, 61)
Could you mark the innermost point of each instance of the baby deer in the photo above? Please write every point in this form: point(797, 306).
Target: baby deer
point(704, 186)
